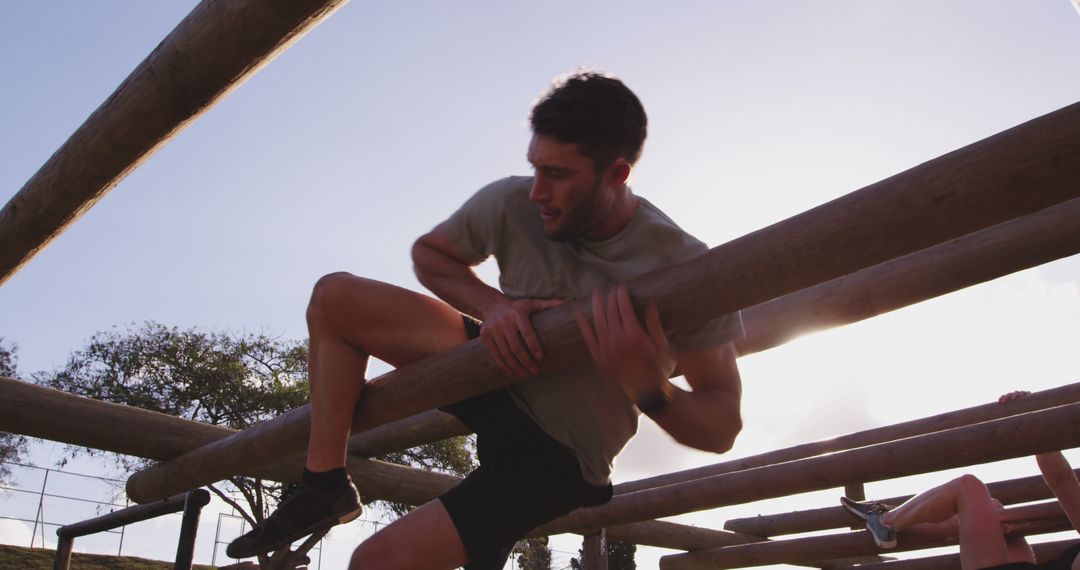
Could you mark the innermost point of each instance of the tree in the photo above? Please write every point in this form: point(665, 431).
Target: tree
point(12, 446)
point(620, 556)
point(229, 379)
point(533, 554)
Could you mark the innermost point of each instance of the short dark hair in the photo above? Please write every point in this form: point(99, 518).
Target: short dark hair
point(598, 112)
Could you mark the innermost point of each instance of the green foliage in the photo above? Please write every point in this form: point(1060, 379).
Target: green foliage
point(533, 554)
point(229, 379)
point(620, 556)
point(12, 446)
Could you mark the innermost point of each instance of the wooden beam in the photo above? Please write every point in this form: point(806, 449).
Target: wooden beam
point(1036, 401)
point(36, 411)
point(1012, 246)
point(211, 52)
point(1009, 492)
point(1033, 519)
point(1018, 172)
point(1019, 244)
point(1016, 436)
point(1044, 552)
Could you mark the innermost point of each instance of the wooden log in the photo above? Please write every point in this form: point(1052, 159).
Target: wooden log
point(664, 534)
point(1005, 248)
point(1044, 552)
point(1018, 172)
point(595, 549)
point(37, 411)
point(426, 427)
point(1033, 519)
point(1019, 244)
point(1009, 492)
point(212, 51)
point(967, 416)
point(1025, 434)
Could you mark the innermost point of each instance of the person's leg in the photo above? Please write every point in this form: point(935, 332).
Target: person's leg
point(349, 319)
point(424, 539)
point(982, 543)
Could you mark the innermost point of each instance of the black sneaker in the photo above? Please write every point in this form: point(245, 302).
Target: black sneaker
point(303, 510)
point(870, 511)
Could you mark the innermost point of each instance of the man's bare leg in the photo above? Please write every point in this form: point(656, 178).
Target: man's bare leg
point(982, 542)
point(424, 539)
point(349, 319)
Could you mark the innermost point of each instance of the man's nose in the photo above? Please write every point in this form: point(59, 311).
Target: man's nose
point(539, 191)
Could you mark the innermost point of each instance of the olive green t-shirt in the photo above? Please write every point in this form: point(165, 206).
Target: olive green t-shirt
point(575, 407)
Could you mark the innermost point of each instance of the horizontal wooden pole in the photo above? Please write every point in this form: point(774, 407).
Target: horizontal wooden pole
point(967, 416)
point(1018, 172)
point(36, 411)
point(134, 514)
point(1044, 552)
point(1034, 519)
point(1015, 436)
point(1009, 492)
point(212, 51)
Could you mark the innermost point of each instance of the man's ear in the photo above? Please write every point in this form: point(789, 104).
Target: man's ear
point(619, 171)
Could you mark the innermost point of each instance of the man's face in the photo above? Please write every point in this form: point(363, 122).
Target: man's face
point(572, 196)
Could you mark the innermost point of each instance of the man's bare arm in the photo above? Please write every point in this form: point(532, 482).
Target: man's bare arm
point(507, 332)
point(708, 416)
point(1061, 479)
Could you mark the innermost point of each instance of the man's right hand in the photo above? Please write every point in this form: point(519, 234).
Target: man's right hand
point(508, 333)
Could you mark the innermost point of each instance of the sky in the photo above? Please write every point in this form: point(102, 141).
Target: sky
point(376, 125)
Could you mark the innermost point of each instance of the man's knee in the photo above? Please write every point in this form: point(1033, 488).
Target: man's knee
point(375, 554)
point(970, 489)
point(325, 293)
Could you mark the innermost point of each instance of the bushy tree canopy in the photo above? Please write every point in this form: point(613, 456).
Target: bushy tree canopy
point(12, 446)
point(221, 378)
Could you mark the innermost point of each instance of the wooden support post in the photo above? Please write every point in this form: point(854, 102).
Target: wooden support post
point(1017, 172)
point(1009, 492)
point(191, 503)
point(967, 416)
point(211, 52)
point(1016, 436)
point(595, 549)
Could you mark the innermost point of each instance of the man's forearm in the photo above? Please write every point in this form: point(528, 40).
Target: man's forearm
point(708, 420)
point(453, 281)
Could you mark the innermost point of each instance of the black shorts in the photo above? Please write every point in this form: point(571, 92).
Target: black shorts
point(525, 478)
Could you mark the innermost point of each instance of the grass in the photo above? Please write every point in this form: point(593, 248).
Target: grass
point(18, 557)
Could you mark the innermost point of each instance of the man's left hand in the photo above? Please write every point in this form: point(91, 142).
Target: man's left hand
point(638, 360)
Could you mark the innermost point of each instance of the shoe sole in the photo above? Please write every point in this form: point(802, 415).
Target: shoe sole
point(325, 524)
point(883, 544)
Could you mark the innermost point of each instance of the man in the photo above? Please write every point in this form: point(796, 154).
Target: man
point(573, 229)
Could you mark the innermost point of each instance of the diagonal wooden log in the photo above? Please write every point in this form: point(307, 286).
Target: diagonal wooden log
point(1018, 244)
point(967, 416)
point(1028, 520)
point(212, 51)
point(1009, 492)
point(1015, 436)
point(1014, 173)
point(37, 411)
